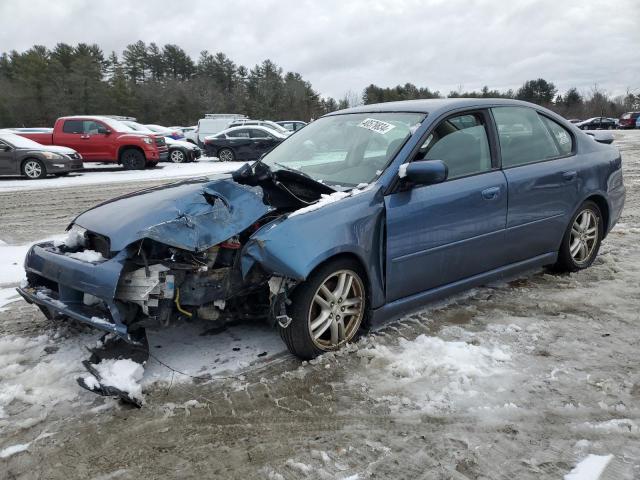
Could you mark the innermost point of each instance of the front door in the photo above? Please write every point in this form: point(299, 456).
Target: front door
point(438, 234)
point(8, 164)
point(96, 140)
point(543, 175)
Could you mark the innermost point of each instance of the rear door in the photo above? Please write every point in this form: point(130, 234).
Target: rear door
point(542, 174)
point(95, 139)
point(72, 135)
point(438, 234)
point(8, 164)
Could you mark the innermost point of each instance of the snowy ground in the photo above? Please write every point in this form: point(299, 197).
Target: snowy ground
point(535, 378)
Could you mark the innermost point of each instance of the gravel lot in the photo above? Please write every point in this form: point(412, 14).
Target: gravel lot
point(516, 380)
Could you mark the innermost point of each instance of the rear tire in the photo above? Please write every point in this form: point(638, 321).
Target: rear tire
point(34, 169)
point(132, 159)
point(327, 310)
point(226, 155)
point(582, 239)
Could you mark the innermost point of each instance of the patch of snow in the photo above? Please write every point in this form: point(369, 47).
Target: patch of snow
point(57, 303)
point(299, 467)
point(617, 425)
point(590, 468)
point(434, 375)
point(220, 304)
point(324, 200)
point(90, 300)
point(125, 375)
point(12, 260)
point(7, 296)
point(90, 256)
point(402, 171)
point(12, 450)
point(74, 239)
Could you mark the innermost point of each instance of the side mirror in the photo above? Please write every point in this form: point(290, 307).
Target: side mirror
point(424, 172)
point(104, 131)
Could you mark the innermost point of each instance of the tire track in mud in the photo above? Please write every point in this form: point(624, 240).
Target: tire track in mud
point(30, 215)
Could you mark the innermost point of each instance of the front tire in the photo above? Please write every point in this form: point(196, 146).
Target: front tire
point(34, 169)
point(327, 310)
point(226, 155)
point(582, 239)
point(177, 156)
point(132, 159)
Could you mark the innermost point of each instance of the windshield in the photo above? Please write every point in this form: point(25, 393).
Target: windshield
point(137, 127)
point(18, 141)
point(345, 150)
point(116, 125)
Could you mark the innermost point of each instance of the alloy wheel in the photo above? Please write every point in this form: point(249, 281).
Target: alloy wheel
point(226, 155)
point(32, 169)
point(584, 236)
point(177, 156)
point(337, 309)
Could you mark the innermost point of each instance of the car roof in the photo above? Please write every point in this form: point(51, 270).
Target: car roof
point(434, 105)
point(245, 127)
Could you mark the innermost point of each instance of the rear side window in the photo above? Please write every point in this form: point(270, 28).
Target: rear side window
point(564, 140)
point(524, 138)
point(73, 126)
point(462, 143)
point(257, 133)
point(244, 133)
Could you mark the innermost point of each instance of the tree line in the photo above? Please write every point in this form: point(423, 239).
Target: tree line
point(571, 104)
point(152, 83)
point(165, 85)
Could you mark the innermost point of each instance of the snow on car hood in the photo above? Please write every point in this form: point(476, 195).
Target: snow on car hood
point(193, 215)
point(57, 149)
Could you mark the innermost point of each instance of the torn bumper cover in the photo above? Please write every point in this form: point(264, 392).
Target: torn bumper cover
point(58, 284)
point(123, 287)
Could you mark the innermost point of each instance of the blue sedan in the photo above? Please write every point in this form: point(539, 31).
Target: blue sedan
point(363, 215)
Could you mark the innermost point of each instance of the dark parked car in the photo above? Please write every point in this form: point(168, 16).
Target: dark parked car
point(292, 125)
point(427, 198)
point(628, 119)
point(597, 123)
point(21, 156)
point(242, 143)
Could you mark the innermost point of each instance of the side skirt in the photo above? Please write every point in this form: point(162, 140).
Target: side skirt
point(394, 310)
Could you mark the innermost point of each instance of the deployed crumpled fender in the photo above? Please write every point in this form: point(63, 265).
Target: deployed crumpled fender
point(293, 246)
point(193, 215)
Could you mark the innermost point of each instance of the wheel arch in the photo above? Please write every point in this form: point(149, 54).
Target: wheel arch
point(124, 148)
point(602, 203)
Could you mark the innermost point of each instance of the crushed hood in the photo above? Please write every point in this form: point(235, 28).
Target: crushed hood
point(192, 215)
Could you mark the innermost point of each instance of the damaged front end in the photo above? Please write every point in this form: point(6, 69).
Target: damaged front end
point(163, 254)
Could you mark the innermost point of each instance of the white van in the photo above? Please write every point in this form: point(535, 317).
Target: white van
point(213, 123)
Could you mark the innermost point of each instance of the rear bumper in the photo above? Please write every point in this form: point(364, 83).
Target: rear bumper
point(58, 284)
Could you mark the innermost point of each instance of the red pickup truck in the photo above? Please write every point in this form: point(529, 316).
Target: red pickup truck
point(104, 139)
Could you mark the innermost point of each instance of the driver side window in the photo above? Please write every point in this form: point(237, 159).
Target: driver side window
point(461, 142)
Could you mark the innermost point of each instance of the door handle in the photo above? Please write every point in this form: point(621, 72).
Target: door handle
point(85, 137)
point(491, 193)
point(568, 176)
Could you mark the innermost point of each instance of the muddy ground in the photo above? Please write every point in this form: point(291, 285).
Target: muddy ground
point(514, 380)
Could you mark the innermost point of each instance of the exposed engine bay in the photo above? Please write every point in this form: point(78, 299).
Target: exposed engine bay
point(177, 268)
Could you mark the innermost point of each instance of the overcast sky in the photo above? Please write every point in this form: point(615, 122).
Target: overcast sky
point(342, 46)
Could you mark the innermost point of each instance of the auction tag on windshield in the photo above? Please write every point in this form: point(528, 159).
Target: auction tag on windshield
point(377, 126)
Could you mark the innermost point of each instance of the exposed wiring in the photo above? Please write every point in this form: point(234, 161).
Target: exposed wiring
point(180, 309)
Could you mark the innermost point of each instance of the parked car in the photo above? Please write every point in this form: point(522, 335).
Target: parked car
point(21, 156)
point(261, 123)
point(166, 132)
point(182, 152)
point(628, 119)
point(292, 125)
point(597, 123)
point(242, 143)
point(214, 123)
point(189, 133)
point(326, 241)
point(104, 139)
point(179, 151)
